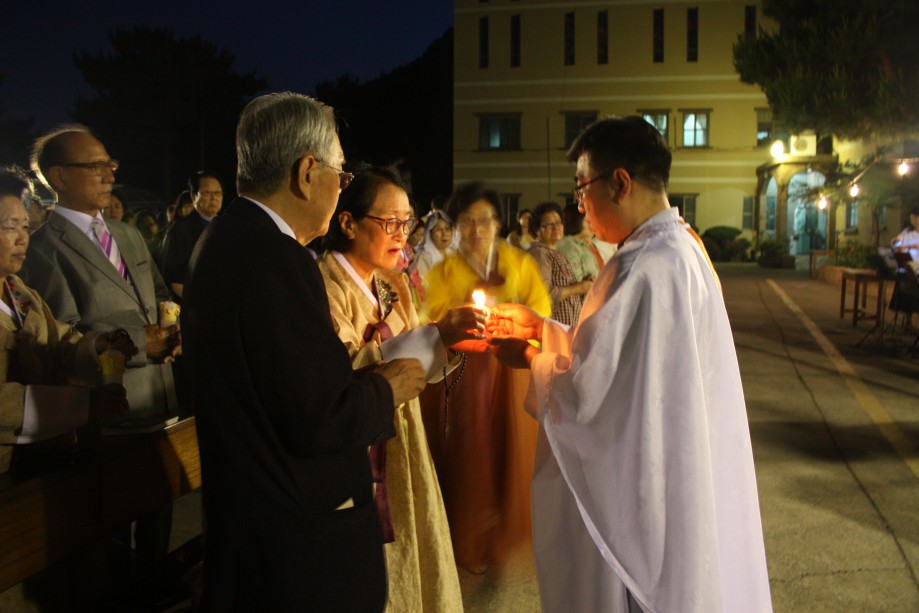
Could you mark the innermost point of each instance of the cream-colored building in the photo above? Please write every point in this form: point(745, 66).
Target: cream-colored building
point(530, 74)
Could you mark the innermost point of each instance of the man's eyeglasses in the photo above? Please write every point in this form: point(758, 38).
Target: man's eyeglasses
point(392, 224)
point(579, 188)
point(95, 168)
point(344, 178)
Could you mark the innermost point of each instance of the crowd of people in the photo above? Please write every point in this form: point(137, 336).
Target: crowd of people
point(374, 411)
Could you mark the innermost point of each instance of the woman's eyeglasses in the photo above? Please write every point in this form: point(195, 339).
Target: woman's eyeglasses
point(392, 224)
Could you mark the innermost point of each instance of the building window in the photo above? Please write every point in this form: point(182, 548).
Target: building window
point(515, 41)
point(499, 131)
point(692, 35)
point(765, 128)
point(695, 128)
point(852, 215)
point(749, 20)
point(686, 203)
point(747, 222)
point(569, 39)
point(602, 37)
point(658, 38)
point(659, 119)
point(575, 122)
point(483, 42)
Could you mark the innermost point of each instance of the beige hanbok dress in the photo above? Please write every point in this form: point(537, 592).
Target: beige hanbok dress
point(420, 564)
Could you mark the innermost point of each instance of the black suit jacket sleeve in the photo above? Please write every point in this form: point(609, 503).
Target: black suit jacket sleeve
point(177, 247)
point(299, 367)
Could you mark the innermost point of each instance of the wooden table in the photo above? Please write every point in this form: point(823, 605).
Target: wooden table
point(862, 278)
point(50, 516)
point(815, 255)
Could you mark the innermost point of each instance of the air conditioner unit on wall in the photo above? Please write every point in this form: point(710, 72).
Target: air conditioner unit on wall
point(803, 144)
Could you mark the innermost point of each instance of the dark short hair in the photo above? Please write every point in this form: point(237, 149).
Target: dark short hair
point(914, 210)
point(358, 199)
point(465, 194)
point(14, 182)
point(194, 181)
point(626, 142)
point(544, 208)
point(573, 219)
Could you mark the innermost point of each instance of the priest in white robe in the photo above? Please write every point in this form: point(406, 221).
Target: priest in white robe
point(644, 496)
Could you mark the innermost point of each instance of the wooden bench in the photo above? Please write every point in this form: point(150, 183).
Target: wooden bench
point(50, 516)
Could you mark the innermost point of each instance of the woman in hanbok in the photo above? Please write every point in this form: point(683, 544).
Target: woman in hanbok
point(438, 236)
point(482, 441)
point(47, 367)
point(373, 314)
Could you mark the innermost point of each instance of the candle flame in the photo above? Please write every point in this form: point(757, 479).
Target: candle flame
point(478, 297)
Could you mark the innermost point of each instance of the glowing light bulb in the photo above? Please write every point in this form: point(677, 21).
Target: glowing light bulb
point(903, 168)
point(853, 191)
point(822, 203)
point(777, 149)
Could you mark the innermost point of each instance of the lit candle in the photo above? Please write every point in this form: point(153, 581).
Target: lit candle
point(478, 297)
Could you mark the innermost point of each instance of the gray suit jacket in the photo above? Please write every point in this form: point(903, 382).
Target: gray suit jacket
point(81, 286)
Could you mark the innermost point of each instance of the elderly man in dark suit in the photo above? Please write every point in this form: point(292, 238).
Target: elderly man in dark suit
point(206, 190)
point(96, 274)
point(284, 423)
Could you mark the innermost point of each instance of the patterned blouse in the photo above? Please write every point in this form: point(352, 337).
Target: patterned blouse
point(557, 273)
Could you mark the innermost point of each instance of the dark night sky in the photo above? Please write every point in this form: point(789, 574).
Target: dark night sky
point(291, 44)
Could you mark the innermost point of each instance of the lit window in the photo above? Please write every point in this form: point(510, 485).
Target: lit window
point(658, 119)
point(499, 131)
point(695, 129)
point(765, 128)
point(852, 215)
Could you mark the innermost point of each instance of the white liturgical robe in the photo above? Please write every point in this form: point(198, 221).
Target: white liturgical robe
point(644, 472)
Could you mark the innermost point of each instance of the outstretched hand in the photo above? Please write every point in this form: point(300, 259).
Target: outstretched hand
point(462, 324)
point(512, 352)
point(514, 320)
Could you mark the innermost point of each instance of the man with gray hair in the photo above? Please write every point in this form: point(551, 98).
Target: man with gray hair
point(283, 422)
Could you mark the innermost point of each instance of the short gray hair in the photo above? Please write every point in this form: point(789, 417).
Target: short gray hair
point(276, 130)
point(48, 150)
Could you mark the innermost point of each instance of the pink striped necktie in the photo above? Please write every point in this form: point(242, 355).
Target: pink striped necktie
point(109, 248)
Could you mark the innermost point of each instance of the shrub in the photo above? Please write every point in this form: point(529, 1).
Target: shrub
point(855, 255)
point(772, 253)
point(720, 237)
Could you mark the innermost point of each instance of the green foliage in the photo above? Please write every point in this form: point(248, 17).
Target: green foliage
point(738, 250)
point(724, 246)
point(843, 67)
point(772, 253)
point(855, 255)
point(713, 248)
